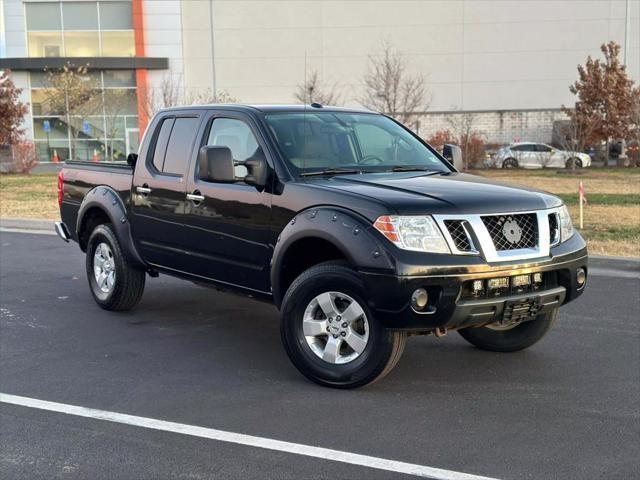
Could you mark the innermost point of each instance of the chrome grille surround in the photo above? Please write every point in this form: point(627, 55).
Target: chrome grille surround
point(483, 243)
point(554, 228)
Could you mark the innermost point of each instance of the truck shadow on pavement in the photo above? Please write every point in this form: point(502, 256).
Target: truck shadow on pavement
point(242, 335)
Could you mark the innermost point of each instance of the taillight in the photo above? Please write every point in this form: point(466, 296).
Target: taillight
point(60, 188)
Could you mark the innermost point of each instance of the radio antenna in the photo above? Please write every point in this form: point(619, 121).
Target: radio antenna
point(304, 117)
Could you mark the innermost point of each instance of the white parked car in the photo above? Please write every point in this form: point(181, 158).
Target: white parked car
point(538, 155)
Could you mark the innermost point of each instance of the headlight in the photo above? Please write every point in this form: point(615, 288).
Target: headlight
point(566, 227)
point(417, 233)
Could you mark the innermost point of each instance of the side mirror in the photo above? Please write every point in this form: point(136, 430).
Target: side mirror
point(216, 164)
point(453, 154)
point(132, 159)
point(257, 168)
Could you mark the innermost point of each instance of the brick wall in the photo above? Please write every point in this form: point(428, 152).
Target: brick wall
point(497, 127)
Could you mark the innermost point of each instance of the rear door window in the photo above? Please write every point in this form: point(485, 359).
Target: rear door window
point(184, 131)
point(174, 144)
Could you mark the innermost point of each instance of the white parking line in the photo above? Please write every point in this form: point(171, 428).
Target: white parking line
point(241, 439)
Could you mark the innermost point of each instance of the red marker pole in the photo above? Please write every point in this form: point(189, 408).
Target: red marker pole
point(582, 199)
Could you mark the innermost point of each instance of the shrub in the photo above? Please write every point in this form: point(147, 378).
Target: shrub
point(23, 158)
point(472, 146)
point(438, 139)
point(473, 150)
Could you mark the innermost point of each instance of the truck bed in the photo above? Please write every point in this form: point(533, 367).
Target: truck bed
point(81, 177)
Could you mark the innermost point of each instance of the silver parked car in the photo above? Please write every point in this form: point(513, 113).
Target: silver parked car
point(538, 155)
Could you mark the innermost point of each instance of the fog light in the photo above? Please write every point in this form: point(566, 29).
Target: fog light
point(419, 299)
point(498, 283)
point(521, 281)
point(581, 277)
point(478, 287)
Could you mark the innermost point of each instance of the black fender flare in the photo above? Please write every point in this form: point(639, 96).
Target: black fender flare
point(351, 233)
point(108, 201)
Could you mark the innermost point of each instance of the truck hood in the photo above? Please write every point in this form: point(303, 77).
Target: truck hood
point(415, 193)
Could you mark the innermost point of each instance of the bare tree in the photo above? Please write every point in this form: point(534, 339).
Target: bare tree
point(116, 103)
point(311, 91)
point(391, 89)
point(208, 96)
point(170, 93)
point(166, 94)
point(75, 94)
point(576, 134)
point(471, 143)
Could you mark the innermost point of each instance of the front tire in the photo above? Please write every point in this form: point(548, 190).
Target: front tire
point(574, 163)
point(114, 283)
point(510, 339)
point(510, 163)
point(329, 332)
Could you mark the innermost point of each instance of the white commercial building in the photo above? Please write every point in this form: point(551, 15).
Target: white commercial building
point(509, 62)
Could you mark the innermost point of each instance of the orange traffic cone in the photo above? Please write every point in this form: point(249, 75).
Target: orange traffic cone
point(95, 156)
point(56, 159)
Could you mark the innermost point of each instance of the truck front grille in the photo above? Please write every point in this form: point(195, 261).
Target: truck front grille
point(459, 235)
point(512, 232)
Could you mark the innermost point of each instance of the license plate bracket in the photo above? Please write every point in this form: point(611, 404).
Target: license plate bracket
point(520, 310)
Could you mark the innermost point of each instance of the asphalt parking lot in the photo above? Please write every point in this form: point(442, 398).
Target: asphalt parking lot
point(568, 408)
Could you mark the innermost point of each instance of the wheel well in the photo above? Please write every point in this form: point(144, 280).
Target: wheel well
point(304, 254)
point(92, 218)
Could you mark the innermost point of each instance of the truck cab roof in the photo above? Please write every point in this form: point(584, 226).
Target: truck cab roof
point(271, 108)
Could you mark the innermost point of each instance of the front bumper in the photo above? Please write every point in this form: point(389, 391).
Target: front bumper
point(450, 306)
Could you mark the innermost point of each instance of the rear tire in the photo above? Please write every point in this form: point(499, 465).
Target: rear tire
point(339, 291)
point(114, 283)
point(517, 338)
point(510, 163)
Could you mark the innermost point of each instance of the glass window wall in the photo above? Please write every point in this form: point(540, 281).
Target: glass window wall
point(104, 129)
point(80, 29)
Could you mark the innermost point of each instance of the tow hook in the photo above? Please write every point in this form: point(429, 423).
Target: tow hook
point(440, 332)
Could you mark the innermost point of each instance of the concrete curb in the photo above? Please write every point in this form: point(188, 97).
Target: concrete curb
point(597, 261)
point(616, 263)
point(27, 224)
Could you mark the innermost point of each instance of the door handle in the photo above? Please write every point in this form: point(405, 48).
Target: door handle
point(196, 197)
point(144, 190)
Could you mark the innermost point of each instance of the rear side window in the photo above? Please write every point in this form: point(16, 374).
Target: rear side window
point(180, 143)
point(524, 148)
point(173, 145)
point(161, 143)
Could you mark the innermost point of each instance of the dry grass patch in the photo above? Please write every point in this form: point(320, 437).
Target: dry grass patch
point(29, 196)
point(610, 229)
point(624, 181)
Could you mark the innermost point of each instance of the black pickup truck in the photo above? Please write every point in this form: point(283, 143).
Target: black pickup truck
point(356, 229)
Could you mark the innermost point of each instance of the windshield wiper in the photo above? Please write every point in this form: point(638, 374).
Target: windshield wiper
point(330, 171)
point(409, 168)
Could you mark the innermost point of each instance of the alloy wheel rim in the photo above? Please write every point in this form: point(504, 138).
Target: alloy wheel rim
point(104, 268)
point(335, 327)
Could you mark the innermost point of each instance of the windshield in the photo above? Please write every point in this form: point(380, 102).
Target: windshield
point(328, 141)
